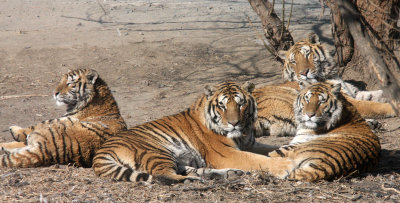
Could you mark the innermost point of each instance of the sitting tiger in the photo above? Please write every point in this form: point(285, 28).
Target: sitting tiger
point(332, 139)
point(210, 134)
point(92, 117)
point(309, 60)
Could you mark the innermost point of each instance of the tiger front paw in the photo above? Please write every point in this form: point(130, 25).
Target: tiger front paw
point(376, 95)
point(374, 124)
point(191, 179)
point(229, 174)
point(233, 174)
point(283, 168)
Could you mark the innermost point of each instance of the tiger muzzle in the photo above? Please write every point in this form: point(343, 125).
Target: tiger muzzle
point(232, 113)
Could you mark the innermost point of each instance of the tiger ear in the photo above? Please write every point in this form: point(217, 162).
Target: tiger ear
point(209, 91)
point(92, 76)
point(336, 88)
point(282, 54)
point(303, 84)
point(71, 77)
point(313, 38)
point(248, 86)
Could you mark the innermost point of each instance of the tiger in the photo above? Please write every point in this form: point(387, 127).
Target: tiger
point(276, 115)
point(332, 139)
point(309, 60)
point(92, 116)
point(215, 135)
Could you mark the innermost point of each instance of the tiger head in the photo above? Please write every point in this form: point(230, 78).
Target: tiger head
point(230, 109)
point(318, 106)
point(76, 89)
point(308, 60)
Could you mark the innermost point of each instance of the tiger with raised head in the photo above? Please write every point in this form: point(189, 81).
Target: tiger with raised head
point(208, 135)
point(308, 60)
point(332, 139)
point(92, 117)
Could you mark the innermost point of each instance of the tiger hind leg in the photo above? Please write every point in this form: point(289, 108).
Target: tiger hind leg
point(10, 147)
point(120, 165)
point(313, 171)
point(20, 134)
point(262, 127)
point(275, 127)
point(282, 127)
point(23, 157)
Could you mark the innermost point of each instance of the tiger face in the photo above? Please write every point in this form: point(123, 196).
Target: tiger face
point(317, 106)
point(308, 60)
point(76, 89)
point(230, 109)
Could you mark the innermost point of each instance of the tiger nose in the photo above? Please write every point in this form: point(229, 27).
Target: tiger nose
point(233, 122)
point(304, 72)
point(310, 114)
point(56, 93)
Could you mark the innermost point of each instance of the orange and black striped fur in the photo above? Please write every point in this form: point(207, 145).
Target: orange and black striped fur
point(275, 109)
point(92, 117)
point(332, 139)
point(210, 134)
point(276, 115)
point(309, 60)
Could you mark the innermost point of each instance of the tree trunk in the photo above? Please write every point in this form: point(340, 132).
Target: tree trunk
point(371, 27)
point(380, 18)
point(343, 41)
point(277, 35)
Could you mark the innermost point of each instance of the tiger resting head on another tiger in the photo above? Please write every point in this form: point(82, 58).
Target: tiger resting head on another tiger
point(308, 60)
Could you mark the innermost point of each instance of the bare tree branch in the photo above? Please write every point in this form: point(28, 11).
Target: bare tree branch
point(278, 37)
point(269, 49)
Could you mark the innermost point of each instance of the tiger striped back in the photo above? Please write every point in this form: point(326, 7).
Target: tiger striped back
point(92, 117)
point(332, 139)
point(208, 134)
point(275, 109)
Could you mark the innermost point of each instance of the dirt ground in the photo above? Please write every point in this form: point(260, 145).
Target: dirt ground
point(156, 56)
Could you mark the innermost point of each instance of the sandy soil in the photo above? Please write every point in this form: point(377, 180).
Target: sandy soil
point(156, 56)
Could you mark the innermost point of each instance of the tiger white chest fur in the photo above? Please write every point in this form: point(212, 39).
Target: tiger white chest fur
point(306, 135)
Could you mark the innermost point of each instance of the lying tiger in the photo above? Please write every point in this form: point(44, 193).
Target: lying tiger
point(92, 117)
point(332, 139)
point(309, 60)
point(210, 134)
point(276, 115)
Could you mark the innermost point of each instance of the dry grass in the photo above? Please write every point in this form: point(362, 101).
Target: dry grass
point(71, 184)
